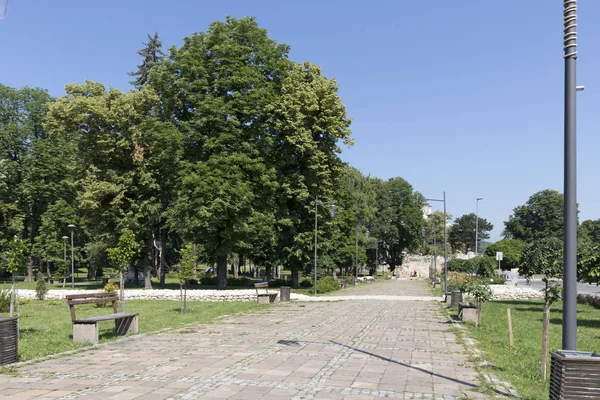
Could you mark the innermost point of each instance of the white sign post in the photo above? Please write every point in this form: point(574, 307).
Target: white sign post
point(499, 255)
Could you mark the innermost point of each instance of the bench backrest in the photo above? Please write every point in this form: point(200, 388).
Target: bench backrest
point(261, 285)
point(91, 298)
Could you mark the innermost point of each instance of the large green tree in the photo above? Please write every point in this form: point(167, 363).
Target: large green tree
point(216, 87)
point(540, 217)
point(33, 166)
point(307, 122)
point(398, 221)
point(462, 233)
point(126, 164)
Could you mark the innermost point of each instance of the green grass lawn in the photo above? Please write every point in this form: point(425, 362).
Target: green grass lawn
point(45, 326)
point(521, 365)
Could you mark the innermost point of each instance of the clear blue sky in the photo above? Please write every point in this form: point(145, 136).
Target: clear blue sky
point(465, 97)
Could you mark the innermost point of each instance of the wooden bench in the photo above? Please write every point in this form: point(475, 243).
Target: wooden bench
point(263, 296)
point(86, 329)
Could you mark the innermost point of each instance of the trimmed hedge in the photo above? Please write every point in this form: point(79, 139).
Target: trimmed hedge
point(590, 299)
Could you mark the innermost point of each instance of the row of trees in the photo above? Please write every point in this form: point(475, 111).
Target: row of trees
point(225, 145)
point(460, 234)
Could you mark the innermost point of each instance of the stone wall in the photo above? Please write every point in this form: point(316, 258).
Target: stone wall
point(422, 264)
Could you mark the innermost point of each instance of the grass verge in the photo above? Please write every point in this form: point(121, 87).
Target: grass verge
point(45, 326)
point(521, 365)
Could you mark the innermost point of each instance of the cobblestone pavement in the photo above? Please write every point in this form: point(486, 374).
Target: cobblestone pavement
point(356, 349)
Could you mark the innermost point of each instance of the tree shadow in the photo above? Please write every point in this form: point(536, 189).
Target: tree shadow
point(425, 371)
point(588, 323)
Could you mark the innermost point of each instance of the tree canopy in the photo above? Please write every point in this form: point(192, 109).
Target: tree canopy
point(225, 142)
point(540, 217)
point(462, 233)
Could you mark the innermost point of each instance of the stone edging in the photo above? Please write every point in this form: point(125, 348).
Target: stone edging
point(471, 346)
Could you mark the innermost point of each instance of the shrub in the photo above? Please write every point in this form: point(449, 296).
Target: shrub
point(458, 281)
point(590, 299)
point(193, 281)
point(278, 283)
point(243, 281)
point(327, 284)
point(40, 286)
point(111, 287)
point(4, 301)
point(305, 283)
point(458, 265)
point(208, 280)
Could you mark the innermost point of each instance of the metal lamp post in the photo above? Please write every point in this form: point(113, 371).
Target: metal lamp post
point(332, 212)
point(477, 225)
point(445, 244)
point(569, 326)
point(65, 238)
point(72, 228)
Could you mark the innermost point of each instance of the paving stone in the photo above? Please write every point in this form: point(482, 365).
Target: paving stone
point(382, 343)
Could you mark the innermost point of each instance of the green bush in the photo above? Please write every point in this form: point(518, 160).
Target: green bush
point(483, 266)
point(193, 281)
point(40, 286)
point(209, 280)
point(4, 301)
point(590, 299)
point(305, 283)
point(458, 265)
point(278, 283)
point(327, 284)
point(111, 287)
point(241, 281)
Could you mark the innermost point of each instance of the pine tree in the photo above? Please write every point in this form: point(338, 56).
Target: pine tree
point(151, 54)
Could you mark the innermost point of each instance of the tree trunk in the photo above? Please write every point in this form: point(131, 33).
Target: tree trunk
point(48, 272)
point(121, 292)
point(222, 272)
point(29, 277)
point(184, 298)
point(545, 334)
point(295, 283)
point(268, 272)
point(161, 259)
point(13, 294)
point(147, 266)
point(181, 296)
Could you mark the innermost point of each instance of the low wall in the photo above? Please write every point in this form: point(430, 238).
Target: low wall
point(160, 294)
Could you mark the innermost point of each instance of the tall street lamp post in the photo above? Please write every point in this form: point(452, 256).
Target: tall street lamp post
point(569, 326)
point(72, 228)
point(445, 243)
point(65, 238)
point(332, 212)
point(477, 225)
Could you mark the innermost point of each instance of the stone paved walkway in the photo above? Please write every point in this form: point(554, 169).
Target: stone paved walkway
point(356, 349)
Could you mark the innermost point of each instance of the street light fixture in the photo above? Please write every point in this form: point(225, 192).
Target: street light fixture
point(65, 238)
point(445, 244)
point(477, 225)
point(72, 228)
point(332, 209)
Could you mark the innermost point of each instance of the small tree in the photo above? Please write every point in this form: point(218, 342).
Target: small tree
point(185, 272)
point(121, 258)
point(481, 292)
point(40, 286)
point(545, 257)
point(16, 262)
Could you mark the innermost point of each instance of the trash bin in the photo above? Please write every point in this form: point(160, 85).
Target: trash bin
point(574, 375)
point(284, 293)
point(9, 340)
point(456, 298)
